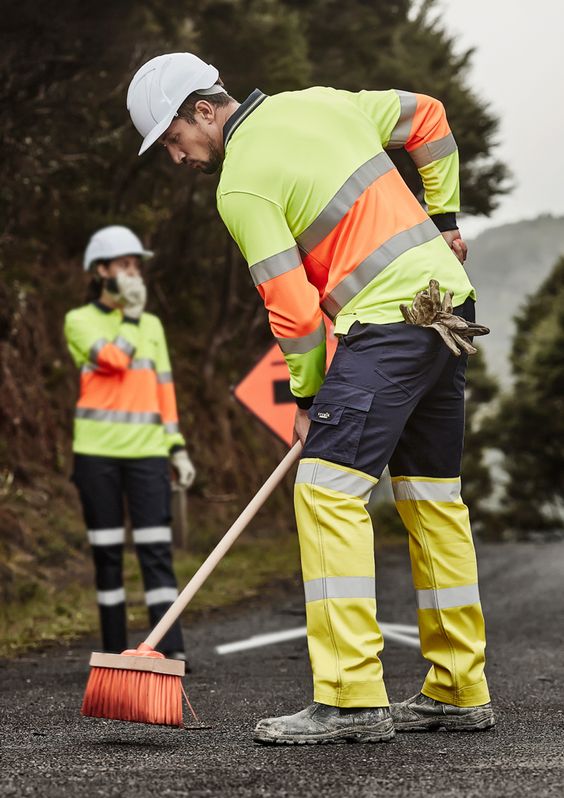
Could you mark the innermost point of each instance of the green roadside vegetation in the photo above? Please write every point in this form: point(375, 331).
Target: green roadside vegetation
point(54, 612)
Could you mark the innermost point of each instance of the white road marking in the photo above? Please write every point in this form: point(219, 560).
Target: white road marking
point(400, 633)
point(406, 629)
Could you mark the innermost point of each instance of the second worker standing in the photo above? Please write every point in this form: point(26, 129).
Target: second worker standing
point(125, 431)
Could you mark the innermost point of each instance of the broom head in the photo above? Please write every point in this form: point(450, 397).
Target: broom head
point(138, 685)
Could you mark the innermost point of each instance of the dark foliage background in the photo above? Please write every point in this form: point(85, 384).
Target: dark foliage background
point(70, 165)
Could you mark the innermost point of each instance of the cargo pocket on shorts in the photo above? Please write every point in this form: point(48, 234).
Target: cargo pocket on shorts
point(338, 414)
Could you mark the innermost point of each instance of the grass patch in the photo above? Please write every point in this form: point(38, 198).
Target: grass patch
point(54, 615)
point(39, 612)
point(47, 616)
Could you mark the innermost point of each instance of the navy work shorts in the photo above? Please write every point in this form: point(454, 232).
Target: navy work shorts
point(393, 395)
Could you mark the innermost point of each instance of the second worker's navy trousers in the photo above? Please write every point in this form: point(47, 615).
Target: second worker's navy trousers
point(104, 485)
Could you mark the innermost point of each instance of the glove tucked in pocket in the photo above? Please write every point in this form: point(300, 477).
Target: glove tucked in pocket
point(427, 310)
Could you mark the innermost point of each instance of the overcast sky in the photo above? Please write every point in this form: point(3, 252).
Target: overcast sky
point(518, 69)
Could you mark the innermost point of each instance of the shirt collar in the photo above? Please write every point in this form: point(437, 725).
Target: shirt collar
point(102, 307)
point(245, 109)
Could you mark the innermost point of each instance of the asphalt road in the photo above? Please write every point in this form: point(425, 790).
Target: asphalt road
point(49, 750)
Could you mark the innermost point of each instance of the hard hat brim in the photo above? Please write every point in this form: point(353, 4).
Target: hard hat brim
point(156, 132)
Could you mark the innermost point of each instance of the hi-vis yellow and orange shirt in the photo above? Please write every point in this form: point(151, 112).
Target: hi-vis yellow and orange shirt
point(325, 220)
point(127, 402)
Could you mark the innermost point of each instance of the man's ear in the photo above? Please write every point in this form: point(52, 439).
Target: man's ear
point(101, 271)
point(206, 110)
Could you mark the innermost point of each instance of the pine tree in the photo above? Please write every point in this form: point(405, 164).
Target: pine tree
point(531, 419)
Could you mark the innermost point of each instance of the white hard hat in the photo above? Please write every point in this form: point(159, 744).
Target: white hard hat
point(159, 88)
point(113, 242)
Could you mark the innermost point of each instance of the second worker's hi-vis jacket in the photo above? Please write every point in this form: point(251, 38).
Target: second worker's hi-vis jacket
point(127, 402)
point(325, 220)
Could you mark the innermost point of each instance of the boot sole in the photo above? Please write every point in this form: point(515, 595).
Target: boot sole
point(375, 734)
point(478, 721)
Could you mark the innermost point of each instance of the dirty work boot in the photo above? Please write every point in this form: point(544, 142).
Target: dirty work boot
point(320, 723)
point(422, 713)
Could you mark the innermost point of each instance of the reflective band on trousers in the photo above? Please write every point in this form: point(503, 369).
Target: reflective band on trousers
point(106, 537)
point(152, 534)
point(160, 595)
point(335, 479)
point(448, 597)
point(303, 343)
point(433, 151)
point(343, 200)
point(275, 265)
point(421, 491)
point(408, 106)
point(164, 376)
point(376, 262)
point(109, 598)
point(336, 587)
point(172, 427)
point(142, 363)
point(120, 416)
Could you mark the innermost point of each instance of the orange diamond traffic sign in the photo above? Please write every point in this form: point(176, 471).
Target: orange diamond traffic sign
point(265, 391)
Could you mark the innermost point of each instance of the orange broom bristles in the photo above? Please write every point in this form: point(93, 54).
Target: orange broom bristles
point(142, 685)
point(138, 685)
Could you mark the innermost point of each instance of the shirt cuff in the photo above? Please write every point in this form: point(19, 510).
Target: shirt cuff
point(304, 402)
point(445, 221)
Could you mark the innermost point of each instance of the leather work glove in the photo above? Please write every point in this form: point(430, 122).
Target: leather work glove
point(427, 310)
point(184, 468)
point(132, 294)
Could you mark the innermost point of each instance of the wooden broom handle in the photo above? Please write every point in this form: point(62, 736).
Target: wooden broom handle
point(175, 610)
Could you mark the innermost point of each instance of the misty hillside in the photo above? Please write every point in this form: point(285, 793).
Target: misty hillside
point(506, 264)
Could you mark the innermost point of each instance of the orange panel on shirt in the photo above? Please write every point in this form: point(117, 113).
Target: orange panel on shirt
point(386, 208)
point(134, 390)
point(112, 357)
point(429, 123)
point(286, 296)
point(167, 402)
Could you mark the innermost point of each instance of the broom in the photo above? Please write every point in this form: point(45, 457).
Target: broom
point(140, 684)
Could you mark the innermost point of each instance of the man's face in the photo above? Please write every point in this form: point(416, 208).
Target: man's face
point(198, 145)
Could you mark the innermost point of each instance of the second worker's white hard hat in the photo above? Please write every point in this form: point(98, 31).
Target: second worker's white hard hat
point(113, 242)
point(159, 88)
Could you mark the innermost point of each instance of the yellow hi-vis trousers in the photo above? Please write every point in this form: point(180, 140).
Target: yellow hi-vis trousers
point(337, 553)
point(393, 395)
point(445, 577)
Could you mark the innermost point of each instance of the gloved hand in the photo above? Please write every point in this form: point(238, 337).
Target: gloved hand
point(427, 310)
point(184, 468)
point(132, 294)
